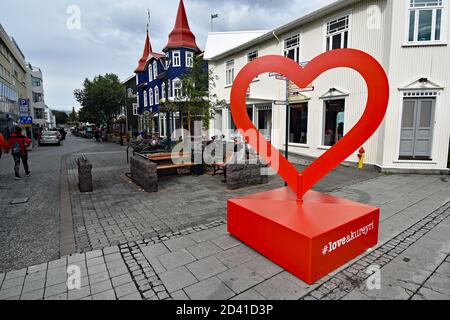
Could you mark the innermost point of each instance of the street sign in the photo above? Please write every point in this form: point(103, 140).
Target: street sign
point(277, 76)
point(23, 102)
point(28, 120)
point(24, 107)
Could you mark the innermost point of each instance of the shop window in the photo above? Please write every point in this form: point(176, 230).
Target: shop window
point(334, 121)
point(265, 122)
point(298, 128)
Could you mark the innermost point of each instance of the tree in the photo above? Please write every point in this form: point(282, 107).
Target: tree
point(60, 116)
point(196, 99)
point(100, 99)
point(73, 117)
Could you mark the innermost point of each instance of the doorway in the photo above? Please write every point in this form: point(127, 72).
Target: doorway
point(264, 122)
point(334, 121)
point(416, 136)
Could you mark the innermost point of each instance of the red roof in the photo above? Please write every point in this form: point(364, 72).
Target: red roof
point(148, 52)
point(145, 54)
point(181, 35)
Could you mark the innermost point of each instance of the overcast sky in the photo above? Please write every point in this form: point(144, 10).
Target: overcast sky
point(112, 33)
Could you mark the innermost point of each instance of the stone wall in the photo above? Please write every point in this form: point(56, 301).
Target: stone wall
point(244, 175)
point(144, 173)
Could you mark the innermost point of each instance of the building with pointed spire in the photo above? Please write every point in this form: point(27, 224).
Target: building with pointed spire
point(158, 75)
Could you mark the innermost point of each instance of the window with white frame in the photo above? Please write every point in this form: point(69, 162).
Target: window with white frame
point(163, 91)
point(151, 96)
point(338, 33)
point(156, 95)
point(177, 89)
point(252, 55)
point(176, 59)
point(229, 72)
point(169, 88)
point(189, 59)
point(292, 47)
point(155, 70)
point(145, 99)
point(135, 109)
point(425, 20)
point(150, 73)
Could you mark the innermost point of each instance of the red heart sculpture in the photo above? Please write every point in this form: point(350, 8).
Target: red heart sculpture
point(376, 107)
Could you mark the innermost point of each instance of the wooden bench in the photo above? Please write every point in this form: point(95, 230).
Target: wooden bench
point(164, 161)
point(167, 166)
point(168, 156)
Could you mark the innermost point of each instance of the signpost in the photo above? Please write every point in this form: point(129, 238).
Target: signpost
point(26, 121)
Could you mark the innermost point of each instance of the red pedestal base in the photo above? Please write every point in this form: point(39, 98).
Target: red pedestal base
point(308, 239)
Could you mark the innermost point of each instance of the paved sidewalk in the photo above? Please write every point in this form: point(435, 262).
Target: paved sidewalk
point(119, 211)
point(204, 262)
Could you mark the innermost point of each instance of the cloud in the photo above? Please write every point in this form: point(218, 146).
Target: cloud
point(112, 33)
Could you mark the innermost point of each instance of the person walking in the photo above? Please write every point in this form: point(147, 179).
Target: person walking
point(2, 144)
point(104, 134)
point(18, 144)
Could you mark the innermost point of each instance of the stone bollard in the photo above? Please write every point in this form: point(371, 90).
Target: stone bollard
point(245, 175)
point(85, 175)
point(144, 173)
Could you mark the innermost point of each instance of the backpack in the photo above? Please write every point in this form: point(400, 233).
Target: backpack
point(16, 149)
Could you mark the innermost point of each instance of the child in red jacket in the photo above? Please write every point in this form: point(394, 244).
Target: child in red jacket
point(18, 144)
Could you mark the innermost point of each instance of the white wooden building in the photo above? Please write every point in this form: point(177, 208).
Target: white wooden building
point(408, 37)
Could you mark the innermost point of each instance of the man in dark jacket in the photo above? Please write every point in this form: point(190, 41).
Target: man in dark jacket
point(18, 144)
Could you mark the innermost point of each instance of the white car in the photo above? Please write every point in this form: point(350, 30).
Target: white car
point(50, 138)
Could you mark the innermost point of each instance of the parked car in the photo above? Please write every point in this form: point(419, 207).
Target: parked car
point(50, 138)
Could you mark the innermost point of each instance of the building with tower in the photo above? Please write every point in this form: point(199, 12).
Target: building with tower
point(158, 77)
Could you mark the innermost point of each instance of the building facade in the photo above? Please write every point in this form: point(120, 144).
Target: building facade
point(12, 82)
point(158, 75)
point(410, 40)
point(131, 111)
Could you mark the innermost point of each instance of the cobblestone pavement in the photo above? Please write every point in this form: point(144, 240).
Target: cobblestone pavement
point(29, 232)
point(118, 210)
point(205, 262)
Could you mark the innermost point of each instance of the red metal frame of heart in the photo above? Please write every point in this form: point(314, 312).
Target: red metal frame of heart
point(308, 233)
